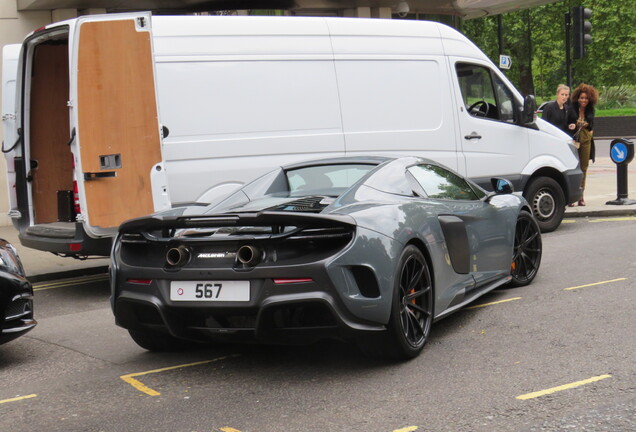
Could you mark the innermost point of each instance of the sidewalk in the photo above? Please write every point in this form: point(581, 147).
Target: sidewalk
point(601, 187)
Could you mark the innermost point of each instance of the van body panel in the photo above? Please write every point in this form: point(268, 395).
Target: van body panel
point(394, 91)
point(548, 140)
point(256, 96)
point(117, 120)
point(409, 116)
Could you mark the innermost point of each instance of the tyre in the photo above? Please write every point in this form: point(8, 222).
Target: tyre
point(547, 201)
point(411, 311)
point(527, 250)
point(158, 341)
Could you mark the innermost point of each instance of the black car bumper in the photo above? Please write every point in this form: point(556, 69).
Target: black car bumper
point(17, 313)
point(289, 313)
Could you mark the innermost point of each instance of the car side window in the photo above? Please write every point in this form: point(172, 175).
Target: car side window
point(438, 182)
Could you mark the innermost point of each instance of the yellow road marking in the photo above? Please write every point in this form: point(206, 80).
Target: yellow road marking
point(66, 283)
point(19, 398)
point(568, 221)
point(617, 219)
point(563, 387)
point(406, 429)
point(129, 378)
point(494, 303)
point(594, 284)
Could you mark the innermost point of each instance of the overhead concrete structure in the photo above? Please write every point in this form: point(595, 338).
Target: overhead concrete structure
point(463, 8)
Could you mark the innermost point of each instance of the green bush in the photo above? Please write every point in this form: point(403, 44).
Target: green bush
point(617, 97)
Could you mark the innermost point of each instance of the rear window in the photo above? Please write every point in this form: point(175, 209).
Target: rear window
point(326, 177)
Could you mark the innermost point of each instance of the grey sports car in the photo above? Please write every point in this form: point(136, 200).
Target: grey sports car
point(368, 249)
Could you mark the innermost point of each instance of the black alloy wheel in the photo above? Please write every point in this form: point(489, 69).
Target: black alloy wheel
point(527, 250)
point(414, 299)
point(411, 311)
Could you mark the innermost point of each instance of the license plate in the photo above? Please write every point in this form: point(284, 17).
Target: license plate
point(210, 291)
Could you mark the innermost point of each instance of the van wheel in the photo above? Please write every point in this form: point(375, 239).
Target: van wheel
point(548, 202)
point(158, 341)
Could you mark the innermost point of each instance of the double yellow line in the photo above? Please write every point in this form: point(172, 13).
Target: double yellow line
point(70, 282)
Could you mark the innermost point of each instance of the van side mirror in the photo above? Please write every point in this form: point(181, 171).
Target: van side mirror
point(529, 110)
point(501, 186)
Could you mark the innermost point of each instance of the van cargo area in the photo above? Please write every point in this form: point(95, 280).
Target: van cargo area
point(47, 163)
point(88, 144)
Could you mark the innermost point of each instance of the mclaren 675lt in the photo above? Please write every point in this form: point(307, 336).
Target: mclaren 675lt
point(365, 249)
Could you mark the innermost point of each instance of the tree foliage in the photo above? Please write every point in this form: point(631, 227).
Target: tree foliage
point(537, 37)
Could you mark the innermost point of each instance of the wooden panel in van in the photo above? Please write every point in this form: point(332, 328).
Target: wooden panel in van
point(49, 130)
point(117, 117)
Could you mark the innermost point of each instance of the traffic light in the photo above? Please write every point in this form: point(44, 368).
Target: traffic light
point(582, 30)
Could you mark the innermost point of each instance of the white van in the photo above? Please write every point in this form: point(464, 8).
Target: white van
point(120, 115)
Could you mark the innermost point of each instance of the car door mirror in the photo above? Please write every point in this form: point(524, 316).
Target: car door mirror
point(501, 186)
point(529, 110)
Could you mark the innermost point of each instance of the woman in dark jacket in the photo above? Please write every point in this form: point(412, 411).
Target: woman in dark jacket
point(555, 111)
point(581, 126)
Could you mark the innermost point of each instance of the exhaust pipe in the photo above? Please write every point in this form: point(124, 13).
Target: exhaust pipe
point(178, 256)
point(249, 255)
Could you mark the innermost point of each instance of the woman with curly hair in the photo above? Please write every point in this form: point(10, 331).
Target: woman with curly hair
point(581, 126)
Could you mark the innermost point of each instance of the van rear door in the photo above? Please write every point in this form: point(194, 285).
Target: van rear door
point(117, 143)
point(10, 55)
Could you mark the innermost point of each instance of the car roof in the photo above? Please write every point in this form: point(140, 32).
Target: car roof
point(360, 159)
point(369, 160)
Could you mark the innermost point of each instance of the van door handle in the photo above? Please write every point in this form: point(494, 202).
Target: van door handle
point(473, 135)
point(98, 175)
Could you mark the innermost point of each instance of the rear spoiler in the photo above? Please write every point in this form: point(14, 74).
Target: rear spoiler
point(266, 218)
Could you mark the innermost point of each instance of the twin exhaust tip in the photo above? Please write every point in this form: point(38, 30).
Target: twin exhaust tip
point(247, 255)
point(178, 256)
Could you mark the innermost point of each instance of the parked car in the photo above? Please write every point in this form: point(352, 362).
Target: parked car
point(16, 295)
point(370, 249)
point(542, 107)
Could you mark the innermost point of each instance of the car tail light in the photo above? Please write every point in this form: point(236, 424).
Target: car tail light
point(284, 281)
point(139, 281)
point(75, 247)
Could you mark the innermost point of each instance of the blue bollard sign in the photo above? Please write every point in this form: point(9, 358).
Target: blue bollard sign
point(621, 153)
point(618, 152)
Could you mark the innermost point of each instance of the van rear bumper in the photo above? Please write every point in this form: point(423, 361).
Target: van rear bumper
point(68, 239)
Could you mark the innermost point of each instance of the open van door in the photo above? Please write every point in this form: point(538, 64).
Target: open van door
point(117, 142)
point(10, 55)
